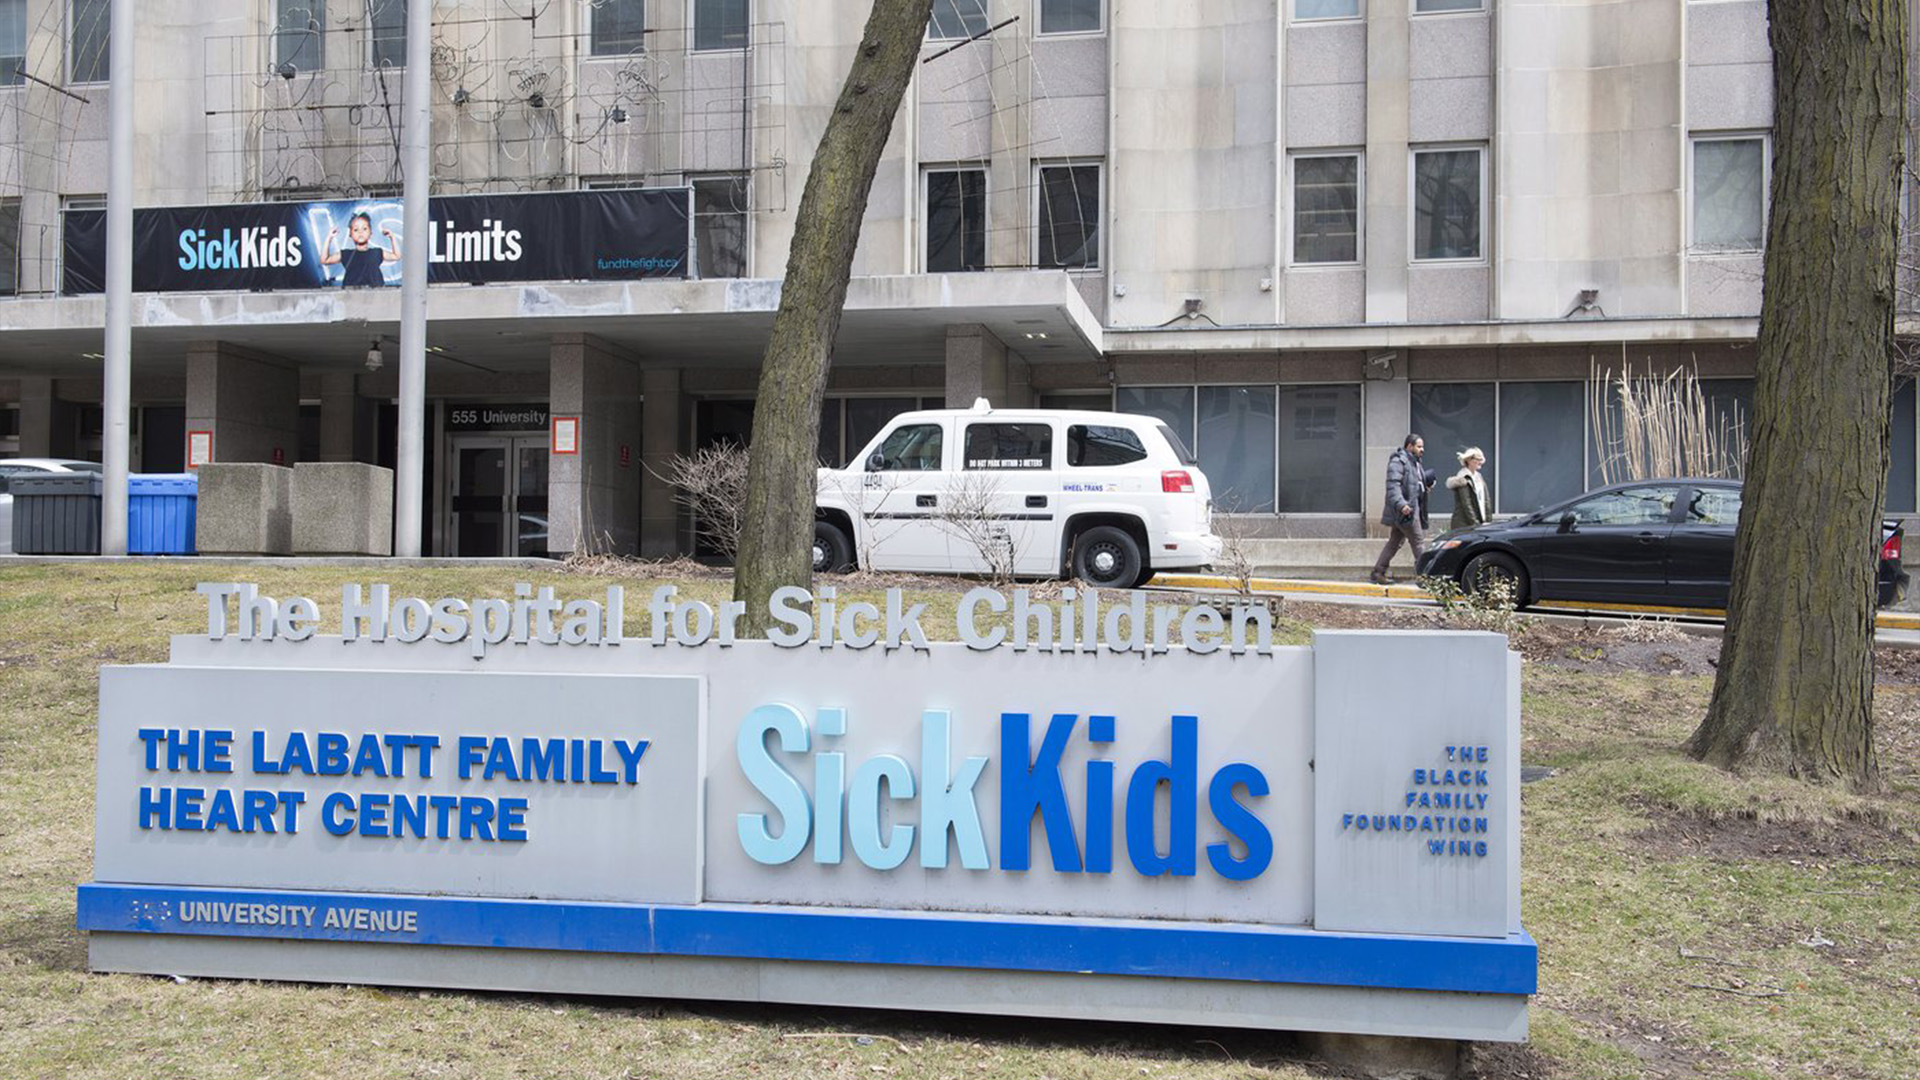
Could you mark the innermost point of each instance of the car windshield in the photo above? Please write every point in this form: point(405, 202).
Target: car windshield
point(1628, 506)
point(85, 466)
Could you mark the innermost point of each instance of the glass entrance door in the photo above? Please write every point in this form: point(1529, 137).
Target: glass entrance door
point(499, 502)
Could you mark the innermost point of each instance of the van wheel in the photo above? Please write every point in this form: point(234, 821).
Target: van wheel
point(1107, 557)
point(832, 549)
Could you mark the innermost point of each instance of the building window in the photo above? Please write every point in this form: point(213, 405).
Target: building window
point(720, 227)
point(387, 33)
point(1901, 452)
point(956, 220)
point(87, 43)
point(1326, 209)
point(9, 246)
point(720, 24)
point(13, 41)
point(1171, 405)
point(1445, 7)
point(1308, 10)
point(957, 19)
point(1536, 463)
point(1320, 449)
point(1069, 16)
point(299, 43)
point(618, 27)
point(1446, 203)
point(1069, 217)
point(1452, 417)
point(1729, 194)
point(1236, 450)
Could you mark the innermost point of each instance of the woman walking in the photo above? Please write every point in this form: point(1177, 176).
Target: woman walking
point(1469, 490)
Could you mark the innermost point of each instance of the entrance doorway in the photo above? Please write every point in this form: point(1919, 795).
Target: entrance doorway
point(499, 504)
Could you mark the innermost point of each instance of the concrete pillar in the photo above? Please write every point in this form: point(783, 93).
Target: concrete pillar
point(663, 413)
point(976, 366)
point(1389, 48)
point(248, 400)
point(1020, 393)
point(46, 422)
point(593, 496)
point(1388, 410)
point(339, 416)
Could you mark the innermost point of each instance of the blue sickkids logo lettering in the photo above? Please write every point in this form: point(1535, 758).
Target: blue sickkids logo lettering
point(835, 807)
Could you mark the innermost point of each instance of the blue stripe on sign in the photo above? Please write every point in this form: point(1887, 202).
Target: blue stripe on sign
point(1188, 950)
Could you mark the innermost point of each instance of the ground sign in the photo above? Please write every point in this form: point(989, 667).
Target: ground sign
point(1063, 813)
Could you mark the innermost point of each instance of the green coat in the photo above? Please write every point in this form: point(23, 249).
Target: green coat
point(1467, 511)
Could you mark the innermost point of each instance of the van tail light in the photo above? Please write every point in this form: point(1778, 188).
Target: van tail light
point(1891, 549)
point(1176, 482)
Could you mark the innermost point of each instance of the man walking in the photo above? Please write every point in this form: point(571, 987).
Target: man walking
point(1405, 474)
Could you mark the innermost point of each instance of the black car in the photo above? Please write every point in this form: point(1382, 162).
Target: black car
point(1666, 542)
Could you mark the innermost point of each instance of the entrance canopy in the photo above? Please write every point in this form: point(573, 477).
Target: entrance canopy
point(888, 320)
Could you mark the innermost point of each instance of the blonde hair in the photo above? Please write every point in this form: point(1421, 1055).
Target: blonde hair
point(1469, 454)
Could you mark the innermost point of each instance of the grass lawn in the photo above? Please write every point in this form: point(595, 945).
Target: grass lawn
point(1690, 924)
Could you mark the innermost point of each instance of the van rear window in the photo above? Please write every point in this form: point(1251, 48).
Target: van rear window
point(1179, 448)
point(1009, 446)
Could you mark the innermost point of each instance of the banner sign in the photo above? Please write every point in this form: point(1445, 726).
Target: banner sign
point(619, 235)
point(1062, 813)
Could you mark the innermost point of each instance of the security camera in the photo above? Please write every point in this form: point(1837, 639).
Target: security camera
point(375, 358)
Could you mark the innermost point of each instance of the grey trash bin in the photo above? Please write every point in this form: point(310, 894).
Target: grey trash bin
point(57, 514)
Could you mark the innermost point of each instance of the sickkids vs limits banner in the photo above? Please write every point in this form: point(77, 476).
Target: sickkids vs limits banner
point(358, 243)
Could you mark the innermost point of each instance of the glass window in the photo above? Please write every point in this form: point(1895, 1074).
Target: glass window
point(720, 227)
point(1901, 451)
point(1097, 445)
point(1435, 7)
point(13, 41)
point(9, 246)
point(298, 44)
point(387, 32)
point(1714, 506)
point(957, 19)
point(1729, 194)
point(829, 447)
point(1178, 444)
point(1236, 447)
point(867, 415)
point(1304, 10)
point(618, 27)
point(1085, 400)
point(1009, 446)
point(1446, 204)
point(9, 421)
point(1069, 16)
point(1452, 417)
point(1631, 506)
point(87, 45)
point(720, 24)
point(1069, 233)
point(1171, 405)
point(1319, 449)
point(956, 220)
point(1539, 461)
point(912, 448)
point(1326, 209)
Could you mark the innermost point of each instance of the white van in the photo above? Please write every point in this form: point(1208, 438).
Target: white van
point(1108, 498)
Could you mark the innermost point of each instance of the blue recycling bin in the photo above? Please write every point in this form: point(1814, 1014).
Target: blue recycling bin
point(160, 513)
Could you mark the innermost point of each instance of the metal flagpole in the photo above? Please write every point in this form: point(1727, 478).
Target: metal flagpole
point(115, 401)
point(416, 163)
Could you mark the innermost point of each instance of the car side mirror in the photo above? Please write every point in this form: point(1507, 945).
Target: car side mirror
point(877, 463)
point(1567, 522)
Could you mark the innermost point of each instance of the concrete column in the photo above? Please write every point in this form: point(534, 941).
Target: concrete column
point(46, 422)
point(250, 401)
point(1389, 36)
point(339, 416)
point(593, 496)
point(976, 366)
point(1020, 393)
point(1387, 412)
point(663, 414)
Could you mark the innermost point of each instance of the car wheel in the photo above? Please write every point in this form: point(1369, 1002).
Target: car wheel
point(832, 550)
point(1107, 557)
point(1495, 566)
point(1145, 576)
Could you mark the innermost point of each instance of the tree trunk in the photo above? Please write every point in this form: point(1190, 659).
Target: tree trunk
point(776, 537)
point(1794, 690)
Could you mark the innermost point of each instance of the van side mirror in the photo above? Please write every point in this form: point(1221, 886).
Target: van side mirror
point(1567, 521)
point(877, 462)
